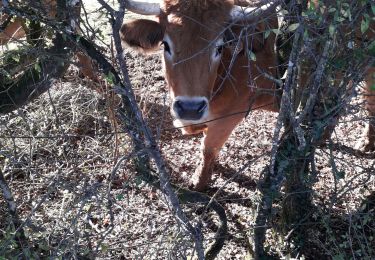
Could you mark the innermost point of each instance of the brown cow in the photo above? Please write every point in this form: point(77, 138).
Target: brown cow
point(209, 91)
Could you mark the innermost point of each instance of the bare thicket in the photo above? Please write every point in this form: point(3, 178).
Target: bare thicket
point(92, 167)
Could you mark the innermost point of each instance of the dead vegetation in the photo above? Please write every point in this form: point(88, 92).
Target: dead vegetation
point(70, 166)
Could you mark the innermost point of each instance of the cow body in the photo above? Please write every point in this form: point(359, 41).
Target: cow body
point(212, 81)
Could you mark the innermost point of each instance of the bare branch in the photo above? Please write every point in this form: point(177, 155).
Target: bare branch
point(149, 141)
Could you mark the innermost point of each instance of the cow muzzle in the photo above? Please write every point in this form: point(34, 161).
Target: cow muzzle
point(190, 108)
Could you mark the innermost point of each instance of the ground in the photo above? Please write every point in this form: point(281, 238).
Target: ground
point(59, 154)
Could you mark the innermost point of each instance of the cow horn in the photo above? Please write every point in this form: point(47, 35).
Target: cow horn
point(144, 7)
point(239, 13)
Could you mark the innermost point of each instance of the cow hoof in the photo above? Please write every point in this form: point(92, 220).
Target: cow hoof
point(198, 187)
point(201, 177)
point(197, 184)
point(199, 181)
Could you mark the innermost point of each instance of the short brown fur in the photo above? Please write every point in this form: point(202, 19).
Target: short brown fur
point(144, 35)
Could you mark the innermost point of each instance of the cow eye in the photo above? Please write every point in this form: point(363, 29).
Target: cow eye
point(166, 47)
point(219, 50)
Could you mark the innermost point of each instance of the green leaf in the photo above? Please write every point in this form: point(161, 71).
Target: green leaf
point(16, 57)
point(345, 5)
point(293, 27)
point(275, 31)
point(138, 181)
point(37, 67)
point(338, 257)
point(120, 197)
point(305, 34)
point(373, 8)
point(371, 48)
point(340, 175)
point(267, 33)
point(365, 25)
point(104, 247)
point(110, 78)
point(347, 14)
point(252, 56)
point(372, 87)
point(340, 19)
point(331, 30)
point(332, 10)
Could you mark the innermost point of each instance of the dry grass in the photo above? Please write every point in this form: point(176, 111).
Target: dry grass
point(58, 155)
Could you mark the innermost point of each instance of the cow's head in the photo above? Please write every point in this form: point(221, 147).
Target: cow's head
point(195, 35)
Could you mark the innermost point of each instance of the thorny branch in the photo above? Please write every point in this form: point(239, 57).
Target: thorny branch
point(285, 106)
point(315, 84)
point(275, 175)
point(107, 69)
point(142, 135)
point(149, 142)
point(49, 73)
point(12, 209)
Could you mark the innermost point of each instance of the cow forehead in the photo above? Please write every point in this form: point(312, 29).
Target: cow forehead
point(195, 6)
point(200, 18)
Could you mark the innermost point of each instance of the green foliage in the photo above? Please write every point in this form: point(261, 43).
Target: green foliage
point(365, 24)
point(110, 78)
point(332, 30)
point(251, 55)
point(14, 63)
point(293, 27)
point(340, 175)
point(371, 49)
point(352, 239)
point(267, 33)
point(120, 197)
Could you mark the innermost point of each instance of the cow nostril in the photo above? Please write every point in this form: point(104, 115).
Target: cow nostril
point(202, 106)
point(178, 106)
point(178, 103)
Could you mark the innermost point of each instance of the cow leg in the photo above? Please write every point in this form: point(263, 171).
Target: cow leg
point(214, 138)
point(370, 106)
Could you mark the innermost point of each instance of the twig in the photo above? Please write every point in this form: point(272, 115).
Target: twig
point(316, 83)
point(12, 209)
point(285, 99)
point(149, 141)
point(272, 180)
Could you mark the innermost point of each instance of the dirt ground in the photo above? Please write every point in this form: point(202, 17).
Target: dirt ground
point(247, 152)
point(59, 154)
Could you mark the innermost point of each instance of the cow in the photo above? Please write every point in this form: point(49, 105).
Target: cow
point(210, 77)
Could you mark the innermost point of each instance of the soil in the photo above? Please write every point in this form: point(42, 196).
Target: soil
point(59, 154)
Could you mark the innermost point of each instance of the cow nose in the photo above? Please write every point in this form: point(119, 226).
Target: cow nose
point(190, 109)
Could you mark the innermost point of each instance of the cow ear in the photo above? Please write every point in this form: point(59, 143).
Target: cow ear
point(143, 35)
point(256, 40)
point(232, 42)
point(253, 41)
